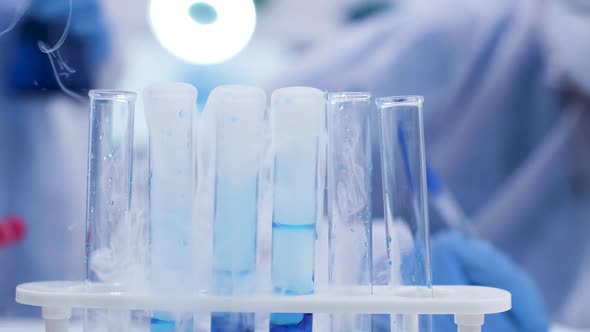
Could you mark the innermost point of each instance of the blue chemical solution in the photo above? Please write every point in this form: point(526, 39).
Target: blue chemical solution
point(292, 271)
point(295, 201)
point(305, 323)
point(160, 325)
point(232, 322)
point(234, 248)
point(166, 325)
point(227, 283)
point(170, 250)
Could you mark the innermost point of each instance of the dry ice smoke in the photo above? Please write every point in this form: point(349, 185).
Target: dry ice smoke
point(59, 66)
point(11, 11)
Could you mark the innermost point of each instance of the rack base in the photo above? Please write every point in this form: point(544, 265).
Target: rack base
point(469, 304)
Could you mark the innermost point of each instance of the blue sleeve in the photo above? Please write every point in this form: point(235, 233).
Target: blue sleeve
point(458, 260)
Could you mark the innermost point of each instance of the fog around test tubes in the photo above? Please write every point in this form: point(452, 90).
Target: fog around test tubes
point(233, 119)
point(11, 11)
point(169, 109)
point(349, 203)
point(115, 238)
point(108, 252)
point(298, 132)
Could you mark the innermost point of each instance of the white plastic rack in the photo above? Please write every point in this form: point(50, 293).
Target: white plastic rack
point(468, 304)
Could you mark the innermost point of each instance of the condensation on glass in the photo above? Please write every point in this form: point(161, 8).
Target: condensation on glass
point(110, 256)
point(406, 207)
point(349, 200)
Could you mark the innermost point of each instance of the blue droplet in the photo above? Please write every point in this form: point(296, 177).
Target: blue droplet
point(233, 119)
point(288, 100)
point(370, 166)
point(388, 239)
point(389, 262)
point(181, 114)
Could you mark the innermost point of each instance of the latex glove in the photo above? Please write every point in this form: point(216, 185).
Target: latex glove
point(458, 260)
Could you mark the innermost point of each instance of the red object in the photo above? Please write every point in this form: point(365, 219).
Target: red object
point(12, 229)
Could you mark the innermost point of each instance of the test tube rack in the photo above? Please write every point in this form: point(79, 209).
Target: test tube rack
point(468, 304)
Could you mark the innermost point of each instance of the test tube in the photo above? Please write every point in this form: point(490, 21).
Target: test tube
point(169, 109)
point(298, 129)
point(405, 197)
point(240, 124)
point(108, 229)
point(349, 201)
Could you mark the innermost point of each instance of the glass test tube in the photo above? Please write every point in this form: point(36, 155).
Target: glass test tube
point(349, 201)
point(108, 249)
point(406, 206)
point(169, 109)
point(240, 124)
point(298, 127)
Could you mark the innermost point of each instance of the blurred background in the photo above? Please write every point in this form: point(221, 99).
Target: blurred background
point(507, 116)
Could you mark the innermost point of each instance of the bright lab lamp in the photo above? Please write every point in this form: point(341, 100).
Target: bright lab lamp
point(203, 32)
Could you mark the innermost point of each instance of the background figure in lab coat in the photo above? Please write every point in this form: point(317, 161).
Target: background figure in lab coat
point(506, 124)
point(43, 135)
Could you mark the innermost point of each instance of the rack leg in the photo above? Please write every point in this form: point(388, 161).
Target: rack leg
point(52, 325)
point(56, 319)
point(411, 323)
point(469, 323)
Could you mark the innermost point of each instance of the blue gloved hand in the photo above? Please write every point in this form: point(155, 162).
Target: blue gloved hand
point(459, 260)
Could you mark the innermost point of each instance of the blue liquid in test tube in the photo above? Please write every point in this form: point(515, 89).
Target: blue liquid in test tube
point(298, 127)
point(169, 109)
point(240, 124)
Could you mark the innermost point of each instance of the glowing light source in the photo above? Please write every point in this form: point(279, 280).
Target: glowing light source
point(203, 31)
